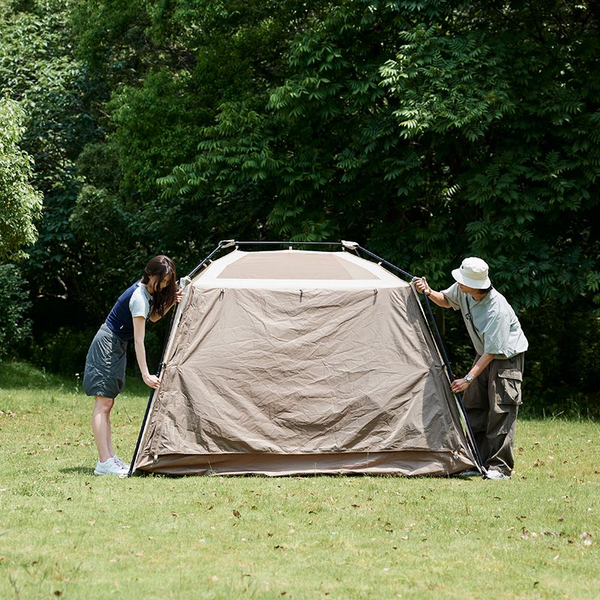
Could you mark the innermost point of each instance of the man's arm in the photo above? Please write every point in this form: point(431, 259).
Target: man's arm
point(423, 287)
point(459, 385)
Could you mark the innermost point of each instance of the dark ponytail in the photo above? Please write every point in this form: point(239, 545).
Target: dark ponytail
point(161, 266)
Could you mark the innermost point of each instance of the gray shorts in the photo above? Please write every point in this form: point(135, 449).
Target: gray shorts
point(105, 365)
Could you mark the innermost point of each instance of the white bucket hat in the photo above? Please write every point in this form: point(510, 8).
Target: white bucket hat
point(473, 273)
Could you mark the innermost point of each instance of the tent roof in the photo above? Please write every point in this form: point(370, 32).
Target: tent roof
point(294, 269)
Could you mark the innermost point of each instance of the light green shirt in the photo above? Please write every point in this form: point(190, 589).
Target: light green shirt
point(492, 324)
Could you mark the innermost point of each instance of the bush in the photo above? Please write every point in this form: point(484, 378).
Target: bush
point(15, 326)
point(63, 351)
point(562, 370)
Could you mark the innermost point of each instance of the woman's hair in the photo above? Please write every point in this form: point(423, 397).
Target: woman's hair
point(161, 266)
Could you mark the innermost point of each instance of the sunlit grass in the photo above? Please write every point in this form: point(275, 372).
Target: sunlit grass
point(64, 532)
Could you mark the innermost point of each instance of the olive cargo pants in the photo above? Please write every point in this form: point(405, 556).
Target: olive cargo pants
point(492, 402)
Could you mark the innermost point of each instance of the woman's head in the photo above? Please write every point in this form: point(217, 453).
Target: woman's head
point(160, 279)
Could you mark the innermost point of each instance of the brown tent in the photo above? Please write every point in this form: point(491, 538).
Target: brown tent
point(301, 362)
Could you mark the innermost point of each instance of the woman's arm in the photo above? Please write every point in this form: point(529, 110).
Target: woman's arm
point(178, 297)
point(139, 333)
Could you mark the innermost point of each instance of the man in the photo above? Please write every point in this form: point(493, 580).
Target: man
point(492, 387)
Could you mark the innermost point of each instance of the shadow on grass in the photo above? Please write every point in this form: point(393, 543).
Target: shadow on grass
point(18, 375)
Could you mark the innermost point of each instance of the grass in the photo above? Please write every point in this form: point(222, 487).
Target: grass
point(65, 533)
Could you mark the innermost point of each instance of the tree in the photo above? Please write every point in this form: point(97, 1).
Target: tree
point(40, 73)
point(429, 130)
point(20, 203)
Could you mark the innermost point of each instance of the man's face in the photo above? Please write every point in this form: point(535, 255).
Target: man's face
point(473, 292)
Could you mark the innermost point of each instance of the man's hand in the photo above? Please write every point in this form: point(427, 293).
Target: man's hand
point(421, 285)
point(459, 385)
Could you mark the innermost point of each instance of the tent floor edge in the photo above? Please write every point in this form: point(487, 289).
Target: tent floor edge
point(409, 463)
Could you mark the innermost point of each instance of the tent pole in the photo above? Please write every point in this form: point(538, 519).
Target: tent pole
point(151, 397)
point(139, 440)
point(461, 406)
point(385, 262)
point(281, 243)
point(222, 244)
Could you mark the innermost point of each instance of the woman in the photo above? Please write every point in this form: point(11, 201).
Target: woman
point(104, 377)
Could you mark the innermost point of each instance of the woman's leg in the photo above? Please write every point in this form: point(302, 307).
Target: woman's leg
point(101, 427)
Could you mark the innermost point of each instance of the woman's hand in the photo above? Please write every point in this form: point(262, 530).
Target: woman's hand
point(151, 381)
point(179, 296)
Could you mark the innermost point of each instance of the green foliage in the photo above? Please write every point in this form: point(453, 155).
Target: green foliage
point(153, 130)
point(426, 130)
point(560, 334)
point(432, 131)
point(521, 107)
point(15, 326)
point(63, 351)
point(38, 70)
point(20, 203)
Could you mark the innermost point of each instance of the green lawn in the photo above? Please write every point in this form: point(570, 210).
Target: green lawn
point(65, 533)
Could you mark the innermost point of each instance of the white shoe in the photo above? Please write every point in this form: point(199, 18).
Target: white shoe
point(120, 462)
point(111, 467)
point(495, 475)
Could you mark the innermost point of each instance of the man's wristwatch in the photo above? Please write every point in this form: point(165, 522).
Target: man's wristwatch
point(469, 379)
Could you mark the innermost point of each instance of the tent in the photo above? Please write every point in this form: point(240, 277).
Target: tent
point(282, 362)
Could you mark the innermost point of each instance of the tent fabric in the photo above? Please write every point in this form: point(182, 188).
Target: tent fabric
point(294, 362)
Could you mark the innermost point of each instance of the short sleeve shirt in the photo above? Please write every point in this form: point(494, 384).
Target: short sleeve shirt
point(140, 301)
point(135, 301)
point(492, 324)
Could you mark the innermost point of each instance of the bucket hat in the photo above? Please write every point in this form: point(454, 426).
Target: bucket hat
point(473, 273)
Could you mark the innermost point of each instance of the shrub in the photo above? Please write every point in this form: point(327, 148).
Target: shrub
point(15, 326)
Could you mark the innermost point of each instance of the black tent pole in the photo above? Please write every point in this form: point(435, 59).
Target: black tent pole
point(146, 414)
point(452, 378)
point(222, 244)
point(385, 262)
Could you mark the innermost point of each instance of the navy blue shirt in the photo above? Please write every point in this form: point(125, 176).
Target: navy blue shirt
point(135, 301)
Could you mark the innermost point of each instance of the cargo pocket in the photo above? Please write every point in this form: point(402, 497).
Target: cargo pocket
point(509, 386)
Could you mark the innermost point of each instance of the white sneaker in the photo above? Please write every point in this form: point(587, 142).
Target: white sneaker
point(110, 467)
point(120, 462)
point(495, 475)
